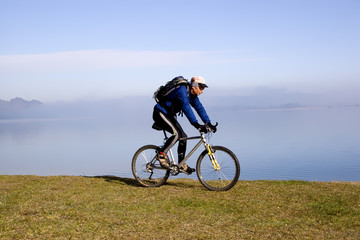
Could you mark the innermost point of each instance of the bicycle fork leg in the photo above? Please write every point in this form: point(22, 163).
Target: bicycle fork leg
point(212, 158)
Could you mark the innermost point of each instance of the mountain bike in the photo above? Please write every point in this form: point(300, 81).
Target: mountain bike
point(217, 167)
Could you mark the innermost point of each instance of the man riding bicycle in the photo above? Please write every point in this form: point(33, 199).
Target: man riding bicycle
point(181, 99)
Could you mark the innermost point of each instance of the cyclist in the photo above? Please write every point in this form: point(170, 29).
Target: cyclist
point(164, 115)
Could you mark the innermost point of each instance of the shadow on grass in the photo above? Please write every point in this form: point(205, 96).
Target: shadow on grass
point(185, 183)
point(128, 181)
point(132, 182)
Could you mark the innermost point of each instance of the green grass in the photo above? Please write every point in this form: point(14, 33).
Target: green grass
point(65, 207)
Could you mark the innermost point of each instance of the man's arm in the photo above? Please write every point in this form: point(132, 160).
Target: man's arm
point(182, 96)
point(200, 110)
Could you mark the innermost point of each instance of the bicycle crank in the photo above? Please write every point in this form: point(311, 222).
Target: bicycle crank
point(174, 170)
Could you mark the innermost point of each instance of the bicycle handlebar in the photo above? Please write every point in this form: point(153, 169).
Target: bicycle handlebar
point(208, 129)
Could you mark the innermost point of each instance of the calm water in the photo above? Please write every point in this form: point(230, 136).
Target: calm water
point(319, 145)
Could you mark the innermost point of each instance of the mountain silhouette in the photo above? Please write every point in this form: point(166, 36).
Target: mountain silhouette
point(18, 108)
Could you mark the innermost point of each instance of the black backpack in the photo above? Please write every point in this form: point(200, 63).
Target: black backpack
point(163, 91)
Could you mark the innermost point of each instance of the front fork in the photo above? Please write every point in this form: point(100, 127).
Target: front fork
point(212, 157)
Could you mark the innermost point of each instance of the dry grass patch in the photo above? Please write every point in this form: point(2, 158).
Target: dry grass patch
point(64, 207)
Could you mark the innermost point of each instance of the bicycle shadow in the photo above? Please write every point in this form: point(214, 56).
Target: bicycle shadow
point(180, 183)
point(108, 178)
point(184, 183)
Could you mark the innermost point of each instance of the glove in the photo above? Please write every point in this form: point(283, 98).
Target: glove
point(211, 128)
point(201, 128)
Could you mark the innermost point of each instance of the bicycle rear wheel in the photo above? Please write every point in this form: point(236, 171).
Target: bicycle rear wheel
point(220, 179)
point(146, 169)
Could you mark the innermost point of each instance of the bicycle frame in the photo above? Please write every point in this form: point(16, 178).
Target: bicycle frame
point(207, 146)
point(202, 141)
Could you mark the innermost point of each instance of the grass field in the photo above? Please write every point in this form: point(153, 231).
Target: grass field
point(66, 207)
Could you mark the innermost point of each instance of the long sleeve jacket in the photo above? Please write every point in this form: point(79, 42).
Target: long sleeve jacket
point(182, 100)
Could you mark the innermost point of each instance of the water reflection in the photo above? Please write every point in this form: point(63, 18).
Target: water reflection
point(306, 145)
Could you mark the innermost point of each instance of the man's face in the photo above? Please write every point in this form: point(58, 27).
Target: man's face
point(197, 90)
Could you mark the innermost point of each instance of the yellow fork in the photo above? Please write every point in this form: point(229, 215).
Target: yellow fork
point(212, 158)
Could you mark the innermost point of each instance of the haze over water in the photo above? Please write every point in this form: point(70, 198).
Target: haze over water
point(316, 144)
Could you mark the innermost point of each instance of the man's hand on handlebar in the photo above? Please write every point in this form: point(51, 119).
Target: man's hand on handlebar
point(211, 128)
point(206, 128)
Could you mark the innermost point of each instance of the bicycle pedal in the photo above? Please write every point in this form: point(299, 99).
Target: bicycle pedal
point(188, 171)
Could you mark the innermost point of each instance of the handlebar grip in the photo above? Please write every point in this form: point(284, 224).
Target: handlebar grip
point(208, 129)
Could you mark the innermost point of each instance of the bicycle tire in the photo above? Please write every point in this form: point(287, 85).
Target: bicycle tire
point(218, 180)
point(142, 171)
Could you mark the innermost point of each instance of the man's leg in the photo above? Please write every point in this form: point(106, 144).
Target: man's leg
point(171, 125)
point(182, 143)
point(168, 124)
point(182, 149)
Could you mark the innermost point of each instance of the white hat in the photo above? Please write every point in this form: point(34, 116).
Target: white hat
point(199, 80)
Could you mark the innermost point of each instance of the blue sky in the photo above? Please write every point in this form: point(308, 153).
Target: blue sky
point(105, 49)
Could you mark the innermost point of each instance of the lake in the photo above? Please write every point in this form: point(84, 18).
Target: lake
point(303, 144)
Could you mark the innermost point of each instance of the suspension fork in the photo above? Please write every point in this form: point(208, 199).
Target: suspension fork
point(212, 157)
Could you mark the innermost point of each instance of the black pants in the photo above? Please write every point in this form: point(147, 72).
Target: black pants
point(171, 125)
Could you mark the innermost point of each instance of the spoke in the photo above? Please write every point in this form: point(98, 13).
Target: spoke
point(223, 178)
point(144, 156)
point(144, 170)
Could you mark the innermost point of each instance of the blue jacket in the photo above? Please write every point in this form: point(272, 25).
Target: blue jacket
point(180, 100)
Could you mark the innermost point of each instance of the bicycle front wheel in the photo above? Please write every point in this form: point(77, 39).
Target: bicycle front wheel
point(146, 169)
point(222, 176)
